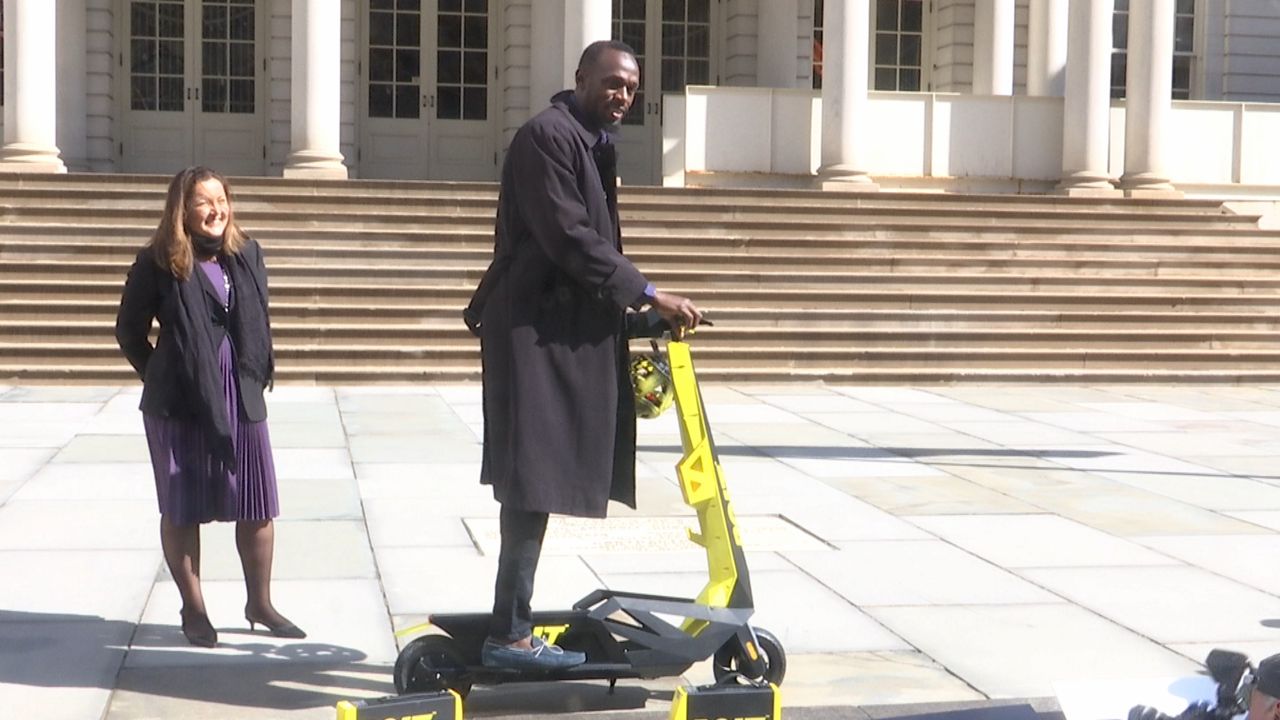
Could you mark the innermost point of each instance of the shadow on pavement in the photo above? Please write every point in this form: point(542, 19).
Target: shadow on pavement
point(86, 651)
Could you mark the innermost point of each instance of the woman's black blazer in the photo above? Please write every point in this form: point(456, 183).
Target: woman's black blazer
point(151, 291)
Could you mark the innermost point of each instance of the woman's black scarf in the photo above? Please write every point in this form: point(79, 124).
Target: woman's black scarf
point(251, 334)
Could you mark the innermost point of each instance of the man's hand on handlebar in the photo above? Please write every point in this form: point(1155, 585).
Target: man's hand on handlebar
point(678, 311)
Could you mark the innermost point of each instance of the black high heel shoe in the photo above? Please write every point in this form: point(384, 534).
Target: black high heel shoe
point(281, 629)
point(197, 629)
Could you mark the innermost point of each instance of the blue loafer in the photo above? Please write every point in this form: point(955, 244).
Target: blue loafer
point(542, 656)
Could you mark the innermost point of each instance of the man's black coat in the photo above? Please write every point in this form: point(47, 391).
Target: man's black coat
point(559, 416)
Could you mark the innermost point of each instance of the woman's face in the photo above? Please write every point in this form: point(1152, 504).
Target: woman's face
point(209, 210)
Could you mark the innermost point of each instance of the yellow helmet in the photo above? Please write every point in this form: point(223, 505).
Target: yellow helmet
point(651, 383)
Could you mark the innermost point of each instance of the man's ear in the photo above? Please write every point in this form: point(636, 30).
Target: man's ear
point(577, 78)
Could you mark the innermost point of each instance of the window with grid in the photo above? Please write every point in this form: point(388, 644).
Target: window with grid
point(462, 60)
point(629, 27)
point(156, 55)
point(1184, 28)
point(227, 56)
point(686, 44)
point(899, 44)
point(395, 58)
point(817, 44)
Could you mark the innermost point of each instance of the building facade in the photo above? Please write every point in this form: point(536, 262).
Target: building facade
point(434, 89)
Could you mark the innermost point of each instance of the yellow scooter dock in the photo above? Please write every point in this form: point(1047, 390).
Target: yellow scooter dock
point(443, 705)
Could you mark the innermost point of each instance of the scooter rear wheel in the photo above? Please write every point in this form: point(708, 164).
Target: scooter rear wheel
point(729, 659)
point(429, 664)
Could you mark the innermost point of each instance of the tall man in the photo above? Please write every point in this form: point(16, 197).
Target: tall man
point(551, 313)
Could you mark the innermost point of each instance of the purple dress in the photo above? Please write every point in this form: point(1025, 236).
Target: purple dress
point(193, 486)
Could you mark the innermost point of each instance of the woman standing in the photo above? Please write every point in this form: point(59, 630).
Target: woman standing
point(202, 393)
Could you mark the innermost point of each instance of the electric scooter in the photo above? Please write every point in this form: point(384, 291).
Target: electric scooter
point(624, 634)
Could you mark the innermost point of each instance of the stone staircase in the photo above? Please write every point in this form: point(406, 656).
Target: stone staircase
point(367, 279)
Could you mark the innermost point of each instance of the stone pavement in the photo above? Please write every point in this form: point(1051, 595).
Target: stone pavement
point(907, 545)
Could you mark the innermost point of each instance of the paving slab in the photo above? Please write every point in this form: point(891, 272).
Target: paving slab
point(915, 572)
point(1231, 556)
point(933, 495)
point(576, 536)
point(456, 446)
point(1021, 650)
point(1201, 615)
point(330, 463)
point(319, 499)
point(90, 481)
point(306, 434)
point(257, 691)
point(346, 622)
point(1020, 541)
point(79, 525)
point(109, 585)
point(304, 549)
point(104, 448)
point(430, 580)
point(64, 667)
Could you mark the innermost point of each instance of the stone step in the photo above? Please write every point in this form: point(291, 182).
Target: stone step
point(882, 239)
point(153, 186)
point(711, 298)
point(448, 315)
point(335, 259)
point(312, 375)
point(1109, 259)
point(428, 218)
point(378, 335)
point(705, 279)
point(709, 357)
point(359, 209)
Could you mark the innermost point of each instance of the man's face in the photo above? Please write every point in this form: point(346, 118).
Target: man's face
point(1262, 707)
point(606, 89)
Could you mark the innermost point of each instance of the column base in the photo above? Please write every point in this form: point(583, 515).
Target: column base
point(1087, 184)
point(1145, 185)
point(844, 179)
point(315, 165)
point(22, 157)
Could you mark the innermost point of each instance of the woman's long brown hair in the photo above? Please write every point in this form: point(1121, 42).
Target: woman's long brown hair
point(171, 242)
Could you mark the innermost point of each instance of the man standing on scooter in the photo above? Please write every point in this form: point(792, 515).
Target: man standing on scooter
point(551, 314)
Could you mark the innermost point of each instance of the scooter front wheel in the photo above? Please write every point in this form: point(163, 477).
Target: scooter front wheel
point(729, 660)
point(431, 663)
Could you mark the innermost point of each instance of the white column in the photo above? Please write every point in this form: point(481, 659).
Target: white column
point(585, 21)
point(561, 30)
point(778, 26)
point(1087, 104)
point(1149, 99)
point(30, 103)
point(1047, 48)
point(316, 110)
point(73, 81)
point(993, 47)
point(846, 34)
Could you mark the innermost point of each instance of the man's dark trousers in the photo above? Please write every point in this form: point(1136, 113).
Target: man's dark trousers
point(522, 533)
